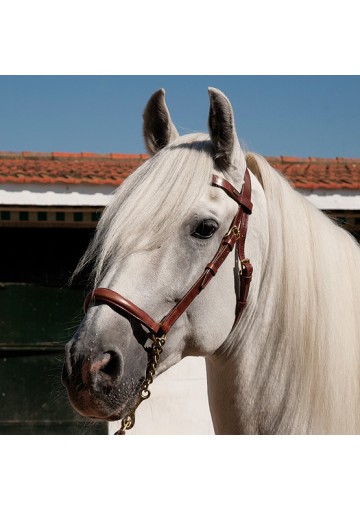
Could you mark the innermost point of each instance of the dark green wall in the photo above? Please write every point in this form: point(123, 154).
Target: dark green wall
point(38, 314)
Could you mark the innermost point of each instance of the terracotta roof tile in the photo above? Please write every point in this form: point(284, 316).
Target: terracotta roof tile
point(67, 168)
point(320, 173)
point(100, 169)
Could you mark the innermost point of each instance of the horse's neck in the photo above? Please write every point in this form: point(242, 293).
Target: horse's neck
point(292, 364)
point(254, 392)
point(248, 390)
point(251, 382)
point(267, 379)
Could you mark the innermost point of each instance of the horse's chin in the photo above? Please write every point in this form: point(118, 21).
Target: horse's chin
point(103, 407)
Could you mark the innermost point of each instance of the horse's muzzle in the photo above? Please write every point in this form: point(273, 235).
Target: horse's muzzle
point(92, 380)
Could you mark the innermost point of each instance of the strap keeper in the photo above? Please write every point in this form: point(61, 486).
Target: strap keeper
point(207, 277)
point(212, 268)
point(246, 267)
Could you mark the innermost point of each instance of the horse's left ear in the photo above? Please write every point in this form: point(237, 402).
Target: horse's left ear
point(228, 154)
point(158, 128)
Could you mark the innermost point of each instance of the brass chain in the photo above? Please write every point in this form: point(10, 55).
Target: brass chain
point(156, 349)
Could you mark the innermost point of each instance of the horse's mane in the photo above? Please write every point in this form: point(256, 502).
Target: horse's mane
point(157, 195)
point(312, 277)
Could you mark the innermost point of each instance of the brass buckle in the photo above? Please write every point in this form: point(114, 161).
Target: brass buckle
point(234, 231)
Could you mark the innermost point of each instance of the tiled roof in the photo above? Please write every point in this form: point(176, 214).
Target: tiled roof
point(101, 169)
point(67, 168)
point(320, 173)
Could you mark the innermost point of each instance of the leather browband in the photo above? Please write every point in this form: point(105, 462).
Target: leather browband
point(235, 235)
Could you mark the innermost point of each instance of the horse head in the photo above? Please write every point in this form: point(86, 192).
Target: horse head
point(156, 236)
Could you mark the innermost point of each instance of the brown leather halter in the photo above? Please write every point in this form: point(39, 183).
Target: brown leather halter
point(158, 330)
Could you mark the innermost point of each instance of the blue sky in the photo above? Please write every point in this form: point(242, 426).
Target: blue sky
point(275, 115)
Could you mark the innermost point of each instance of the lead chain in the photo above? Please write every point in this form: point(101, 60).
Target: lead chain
point(156, 349)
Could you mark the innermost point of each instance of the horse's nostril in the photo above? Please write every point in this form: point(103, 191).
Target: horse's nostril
point(112, 364)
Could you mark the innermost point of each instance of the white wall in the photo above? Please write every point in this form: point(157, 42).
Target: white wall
point(38, 194)
point(333, 199)
point(93, 195)
point(178, 403)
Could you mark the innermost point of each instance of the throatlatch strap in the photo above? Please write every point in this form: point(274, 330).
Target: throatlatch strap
point(246, 268)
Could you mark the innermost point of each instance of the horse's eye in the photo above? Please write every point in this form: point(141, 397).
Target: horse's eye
point(205, 229)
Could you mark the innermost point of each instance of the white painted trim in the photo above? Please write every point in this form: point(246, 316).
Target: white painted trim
point(333, 199)
point(36, 194)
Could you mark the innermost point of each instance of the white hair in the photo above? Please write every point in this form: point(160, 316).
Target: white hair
point(154, 198)
point(312, 282)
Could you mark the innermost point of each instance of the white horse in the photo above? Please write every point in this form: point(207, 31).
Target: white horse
point(292, 362)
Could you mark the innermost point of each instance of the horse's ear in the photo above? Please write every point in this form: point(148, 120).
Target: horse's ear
point(222, 131)
point(158, 128)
